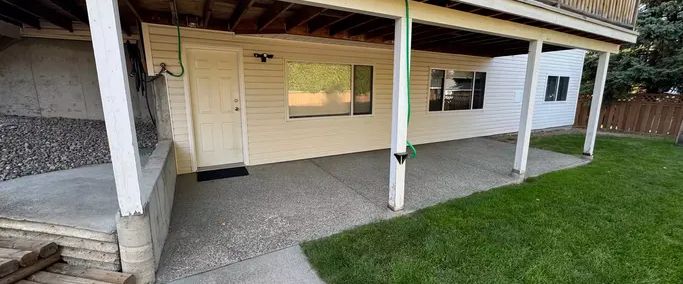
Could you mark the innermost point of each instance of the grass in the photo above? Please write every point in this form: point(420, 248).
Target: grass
point(617, 220)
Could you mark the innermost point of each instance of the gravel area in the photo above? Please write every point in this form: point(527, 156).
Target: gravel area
point(34, 145)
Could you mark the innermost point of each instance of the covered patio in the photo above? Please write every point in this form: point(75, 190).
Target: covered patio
point(219, 222)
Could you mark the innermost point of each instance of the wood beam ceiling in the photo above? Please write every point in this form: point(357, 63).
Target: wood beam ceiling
point(320, 22)
point(206, 14)
point(238, 13)
point(72, 9)
point(303, 16)
point(18, 15)
point(43, 12)
point(354, 21)
point(11, 21)
point(270, 15)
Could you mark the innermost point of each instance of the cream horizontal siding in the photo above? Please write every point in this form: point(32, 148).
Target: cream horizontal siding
point(274, 138)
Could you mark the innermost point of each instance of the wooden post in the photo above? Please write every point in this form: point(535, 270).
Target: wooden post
point(596, 104)
point(399, 115)
point(527, 114)
point(679, 141)
point(105, 30)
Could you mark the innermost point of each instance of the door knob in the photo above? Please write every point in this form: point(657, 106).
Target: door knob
point(237, 108)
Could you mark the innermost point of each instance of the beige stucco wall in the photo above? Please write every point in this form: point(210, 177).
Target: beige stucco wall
point(273, 138)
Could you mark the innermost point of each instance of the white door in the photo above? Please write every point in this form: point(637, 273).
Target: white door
point(215, 93)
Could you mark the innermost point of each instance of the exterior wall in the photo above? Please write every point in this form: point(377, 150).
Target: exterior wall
point(273, 138)
point(54, 78)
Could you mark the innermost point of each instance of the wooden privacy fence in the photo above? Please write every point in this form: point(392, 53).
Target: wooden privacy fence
point(650, 114)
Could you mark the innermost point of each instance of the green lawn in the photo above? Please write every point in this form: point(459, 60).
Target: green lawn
point(617, 220)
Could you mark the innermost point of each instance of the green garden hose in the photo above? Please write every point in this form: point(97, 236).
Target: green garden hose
point(180, 55)
point(410, 145)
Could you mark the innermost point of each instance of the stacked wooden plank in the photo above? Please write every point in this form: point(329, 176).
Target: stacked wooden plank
point(20, 258)
point(64, 273)
point(29, 261)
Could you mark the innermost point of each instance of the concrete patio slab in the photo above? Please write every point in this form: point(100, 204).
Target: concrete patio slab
point(83, 198)
point(220, 222)
point(215, 223)
point(286, 266)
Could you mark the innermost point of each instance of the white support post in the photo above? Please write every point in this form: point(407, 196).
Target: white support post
point(527, 114)
point(105, 30)
point(596, 105)
point(399, 115)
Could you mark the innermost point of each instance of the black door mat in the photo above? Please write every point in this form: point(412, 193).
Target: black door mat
point(222, 173)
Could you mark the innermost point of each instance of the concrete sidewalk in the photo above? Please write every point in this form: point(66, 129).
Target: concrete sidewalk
point(288, 265)
point(221, 222)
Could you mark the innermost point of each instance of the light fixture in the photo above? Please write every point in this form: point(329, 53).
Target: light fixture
point(264, 56)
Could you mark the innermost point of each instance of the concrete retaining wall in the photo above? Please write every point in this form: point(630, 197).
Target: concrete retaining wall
point(141, 238)
point(54, 78)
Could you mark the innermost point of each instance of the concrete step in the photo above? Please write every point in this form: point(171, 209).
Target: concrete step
point(78, 246)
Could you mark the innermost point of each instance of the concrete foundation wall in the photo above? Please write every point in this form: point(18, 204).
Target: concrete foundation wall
point(54, 78)
point(142, 238)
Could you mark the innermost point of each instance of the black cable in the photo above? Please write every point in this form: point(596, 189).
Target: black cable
point(140, 76)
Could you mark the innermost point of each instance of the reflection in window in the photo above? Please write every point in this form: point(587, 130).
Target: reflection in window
point(563, 89)
point(321, 89)
point(479, 89)
point(436, 90)
point(551, 89)
point(362, 89)
point(456, 90)
point(557, 88)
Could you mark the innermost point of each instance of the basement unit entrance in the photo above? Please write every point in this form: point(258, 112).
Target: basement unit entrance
point(215, 93)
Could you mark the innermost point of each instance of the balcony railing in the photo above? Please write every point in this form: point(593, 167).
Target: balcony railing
point(620, 12)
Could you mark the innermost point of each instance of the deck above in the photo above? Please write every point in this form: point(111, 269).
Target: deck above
point(474, 27)
point(619, 12)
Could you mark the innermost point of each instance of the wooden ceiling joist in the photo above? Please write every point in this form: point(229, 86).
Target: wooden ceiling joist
point(354, 21)
point(43, 12)
point(72, 9)
point(19, 15)
point(368, 27)
point(275, 11)
point(303, 16)
point(381, 33)
point(206, 14)
point(8, 20)
point(133, 8)
point(320, 23)
point(238, 13)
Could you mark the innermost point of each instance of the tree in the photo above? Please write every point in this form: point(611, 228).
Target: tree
point(654, 63)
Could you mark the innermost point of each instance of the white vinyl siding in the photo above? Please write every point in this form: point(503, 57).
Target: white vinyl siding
point(274, 138)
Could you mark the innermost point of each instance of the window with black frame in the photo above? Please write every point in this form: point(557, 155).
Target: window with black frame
point(456, 90)
point(556, 89)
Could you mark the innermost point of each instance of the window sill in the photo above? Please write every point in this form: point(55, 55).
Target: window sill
point(289, 119)
point(454, 112)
